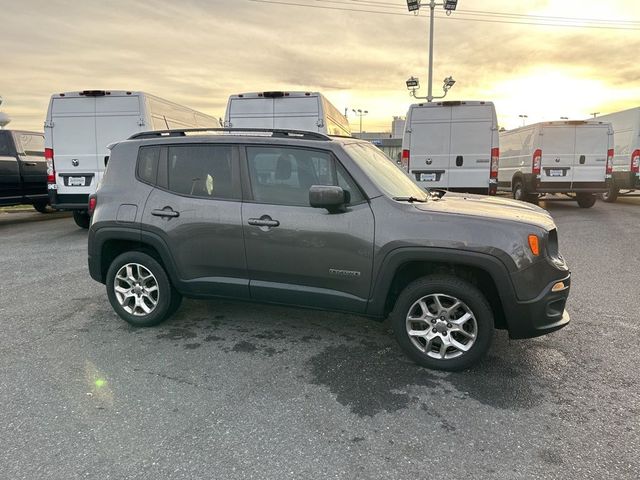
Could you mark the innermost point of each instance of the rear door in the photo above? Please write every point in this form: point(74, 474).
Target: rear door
point(558, 153)
point(590, 162)
point(117, 118)
point(32, 163)
point(471, 142)
point(251, 112)
point(74, 144)
point(196, 210)
point(297, 113)
point(429, 148)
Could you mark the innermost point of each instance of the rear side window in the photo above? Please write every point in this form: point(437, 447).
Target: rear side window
point(5, 143)
point(148, 164)
point(207, 171)
point(32, 145)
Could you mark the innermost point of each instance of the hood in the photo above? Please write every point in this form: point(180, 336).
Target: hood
point(490, 207)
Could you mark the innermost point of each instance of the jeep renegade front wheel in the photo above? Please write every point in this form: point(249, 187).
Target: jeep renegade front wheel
point(443, 322)
point(139, 290)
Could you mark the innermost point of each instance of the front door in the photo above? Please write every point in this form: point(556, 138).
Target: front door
point(297, 254)
point(196, 210)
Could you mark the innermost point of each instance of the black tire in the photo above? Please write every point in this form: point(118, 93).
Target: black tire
point(446, 285)
point(518, 192)
point(42, 206)
point(168, 299)
point(586, 200)
point(611, 195)
point(82, 218)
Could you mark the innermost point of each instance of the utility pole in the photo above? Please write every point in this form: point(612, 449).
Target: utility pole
point(412, 83)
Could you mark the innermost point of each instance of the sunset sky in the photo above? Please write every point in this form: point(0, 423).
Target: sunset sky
point(198, 52)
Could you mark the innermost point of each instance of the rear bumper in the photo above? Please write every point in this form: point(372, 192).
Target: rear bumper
point(544, 314)
point(534, 185)
point(68, 201)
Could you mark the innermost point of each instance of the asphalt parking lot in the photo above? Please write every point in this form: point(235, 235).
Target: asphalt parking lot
point(235, 391)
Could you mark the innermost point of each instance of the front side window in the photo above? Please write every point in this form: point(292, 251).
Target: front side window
point(283, 176)
point(203, 171)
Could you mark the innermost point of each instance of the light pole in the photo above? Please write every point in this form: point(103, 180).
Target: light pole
point(360, 113)
point(594, 114)
point(414, 6)
point(523, 117)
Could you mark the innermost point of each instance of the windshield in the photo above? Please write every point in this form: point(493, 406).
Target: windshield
point(393, 182)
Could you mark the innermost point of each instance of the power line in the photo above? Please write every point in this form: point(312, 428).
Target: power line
point(457, 17)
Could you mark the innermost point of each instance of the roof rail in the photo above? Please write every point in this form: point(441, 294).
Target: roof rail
point(278, 133)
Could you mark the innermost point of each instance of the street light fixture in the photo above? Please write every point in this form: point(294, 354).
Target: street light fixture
point(414, 6)
point(413, 84)
point(360, 113)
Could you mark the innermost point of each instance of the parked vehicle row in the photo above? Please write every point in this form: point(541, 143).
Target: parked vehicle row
point(456, 146)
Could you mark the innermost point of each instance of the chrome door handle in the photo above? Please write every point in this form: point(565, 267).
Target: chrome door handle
point(165, 212)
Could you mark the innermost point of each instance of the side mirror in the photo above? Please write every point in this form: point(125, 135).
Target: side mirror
point(330, 197)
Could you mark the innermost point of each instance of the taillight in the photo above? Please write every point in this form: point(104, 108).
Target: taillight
point(635, 161)
point(93, 201)
point(537, 161)
point(495, 158)
point(51, 168)
point(405, 159)
point(610, 161)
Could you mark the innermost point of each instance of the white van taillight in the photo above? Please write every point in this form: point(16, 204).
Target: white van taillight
point(537, 161)
point(609, 161)
point(635, 161)
point(51, 168)
point(405, 159)
point(495, 158)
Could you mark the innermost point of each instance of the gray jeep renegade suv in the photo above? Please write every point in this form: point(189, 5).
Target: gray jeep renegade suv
point(303, 219)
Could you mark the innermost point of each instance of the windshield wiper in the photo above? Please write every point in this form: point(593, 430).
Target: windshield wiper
point(410, 199)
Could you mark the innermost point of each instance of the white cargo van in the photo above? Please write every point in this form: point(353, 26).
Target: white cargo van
point(570, 157)
point(626, 149)
point(452, 145)
point(308, 111)
point(80, 125)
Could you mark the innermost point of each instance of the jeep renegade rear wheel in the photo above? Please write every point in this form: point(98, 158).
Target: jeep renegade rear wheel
point(443, 322)
point(139, 290)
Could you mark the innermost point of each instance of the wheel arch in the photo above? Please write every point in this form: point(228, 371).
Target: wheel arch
point(487, 273)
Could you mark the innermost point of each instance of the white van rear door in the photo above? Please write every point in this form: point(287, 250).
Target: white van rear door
point(74, 144)
point(117, 118)
point(297, 113)
point(251, 112)
point(590, 162)
point(429, 148)
point(558, 152)
point(471, 143)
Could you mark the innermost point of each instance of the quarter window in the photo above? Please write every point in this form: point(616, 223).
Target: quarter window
point(283, 176)
point(148, 164)
point(203, 171)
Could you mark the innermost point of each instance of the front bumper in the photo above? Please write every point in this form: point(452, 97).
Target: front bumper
point(544, 314)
